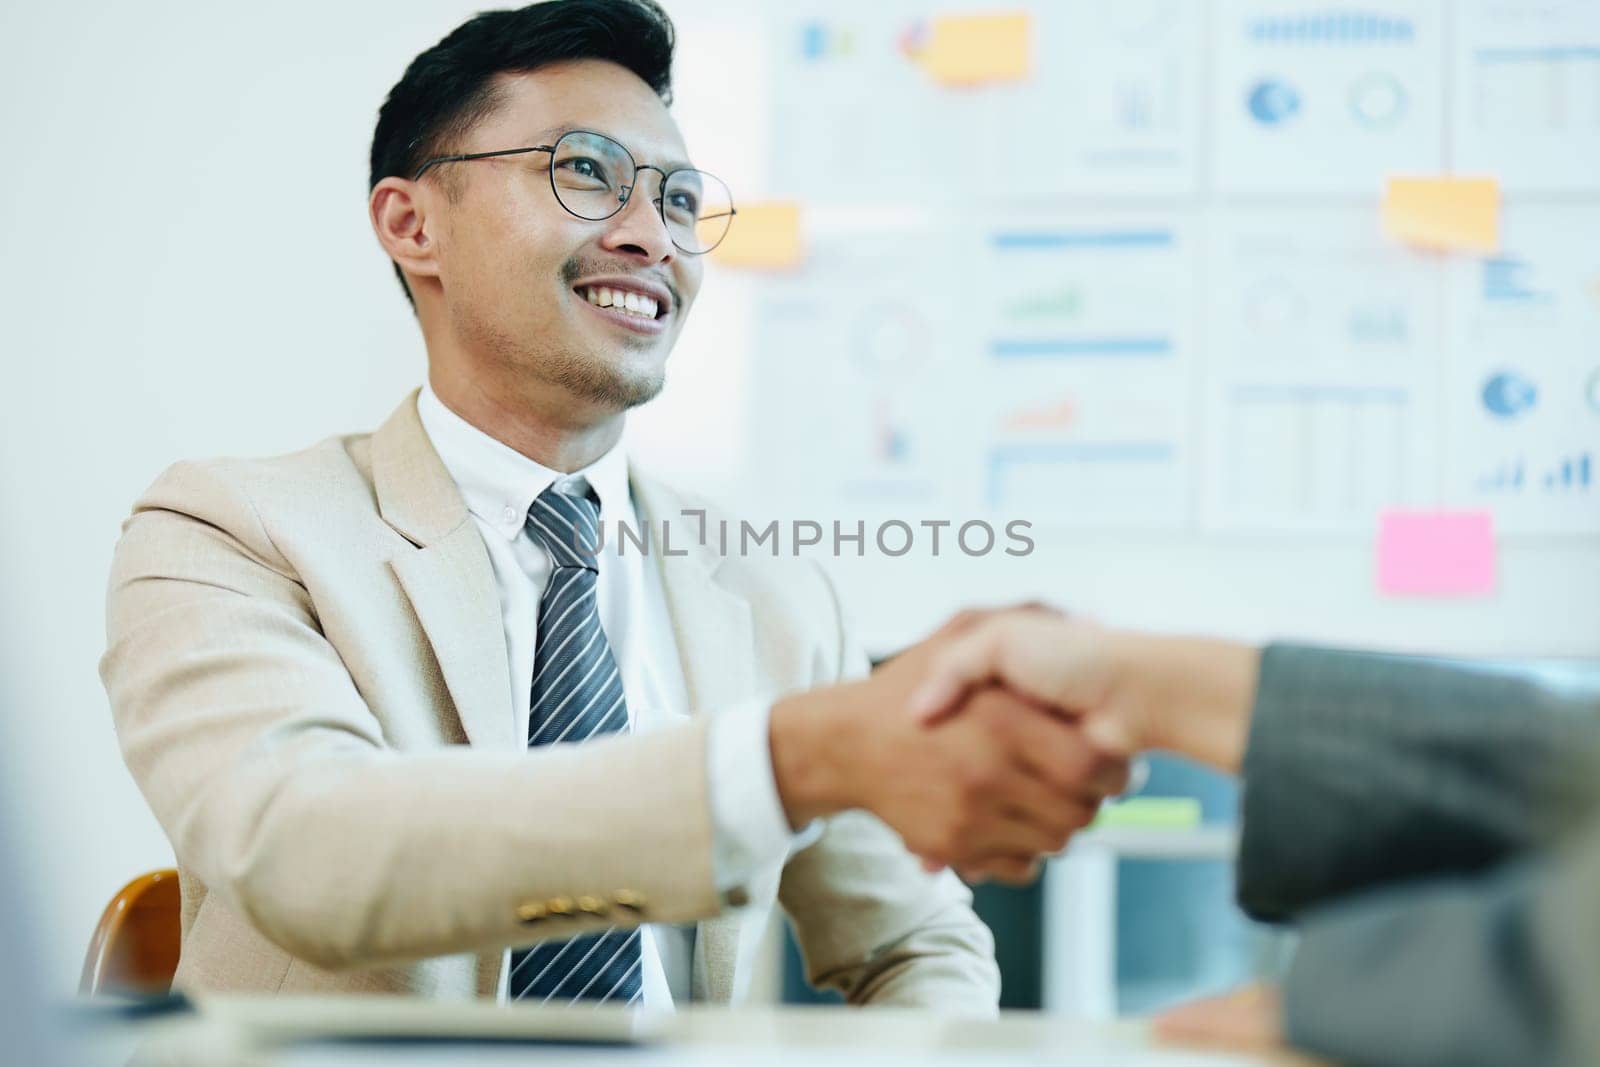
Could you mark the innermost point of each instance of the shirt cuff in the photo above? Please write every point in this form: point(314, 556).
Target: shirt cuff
point(749, 828)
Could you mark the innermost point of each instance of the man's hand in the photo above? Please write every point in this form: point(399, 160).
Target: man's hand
point(988, 791)
point(1130, 692)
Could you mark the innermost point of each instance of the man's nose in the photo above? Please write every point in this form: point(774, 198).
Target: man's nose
point(639, 229)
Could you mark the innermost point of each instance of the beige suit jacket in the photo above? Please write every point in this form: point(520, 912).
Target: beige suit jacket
point(307, 669)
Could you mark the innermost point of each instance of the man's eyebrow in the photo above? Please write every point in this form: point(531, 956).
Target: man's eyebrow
point(552, 134)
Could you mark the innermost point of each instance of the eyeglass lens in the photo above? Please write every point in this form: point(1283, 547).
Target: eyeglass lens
point(593, 177)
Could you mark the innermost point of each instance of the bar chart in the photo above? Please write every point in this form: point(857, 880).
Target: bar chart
point(1332, 27)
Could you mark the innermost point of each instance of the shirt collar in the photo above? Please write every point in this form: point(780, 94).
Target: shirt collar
point(499, 483)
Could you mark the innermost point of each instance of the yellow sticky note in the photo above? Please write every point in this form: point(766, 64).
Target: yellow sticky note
point(1444, 214)
point(763, 236)
point(977, 49)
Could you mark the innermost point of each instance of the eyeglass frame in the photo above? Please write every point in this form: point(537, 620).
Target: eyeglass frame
point(627, 190)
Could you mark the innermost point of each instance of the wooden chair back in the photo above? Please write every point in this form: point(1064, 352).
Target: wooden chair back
point(135, 948)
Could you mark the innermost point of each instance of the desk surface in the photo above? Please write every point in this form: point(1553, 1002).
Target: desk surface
point(336, 1032)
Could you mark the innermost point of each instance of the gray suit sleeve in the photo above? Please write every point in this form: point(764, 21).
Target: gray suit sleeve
point(1498, 969)
point(1421, 794)
point(1363, 770)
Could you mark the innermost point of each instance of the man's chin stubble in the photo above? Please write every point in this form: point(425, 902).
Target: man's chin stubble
point(587, 376)
point(593, 381)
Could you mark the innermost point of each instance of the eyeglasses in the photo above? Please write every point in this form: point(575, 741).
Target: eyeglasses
point(593, 177)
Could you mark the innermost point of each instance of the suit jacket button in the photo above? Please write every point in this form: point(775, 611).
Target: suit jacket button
point(561, 906)
point(532, 912)
point(592, 906)
point(627, 898)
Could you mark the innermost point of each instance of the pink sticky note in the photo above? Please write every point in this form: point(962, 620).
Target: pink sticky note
point(1436, 553)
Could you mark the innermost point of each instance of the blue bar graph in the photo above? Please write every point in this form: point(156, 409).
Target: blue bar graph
point(1507, 478)
point(1332, 27)
point(1504, 281)
point(1083, 347)
point(1574, 473)
point(1057, 240)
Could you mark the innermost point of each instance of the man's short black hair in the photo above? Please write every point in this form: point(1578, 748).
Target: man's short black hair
point(451, 86)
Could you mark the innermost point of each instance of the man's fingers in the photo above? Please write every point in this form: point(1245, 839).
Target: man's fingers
point(966, 661)
point(1009, 844)
point(1111, 734)
point(1053, 815)
point(1080, 773)
point(968, 653)
point(1110, 777)
point(1032, 822)
point(1056, 750)
point(1036, 653)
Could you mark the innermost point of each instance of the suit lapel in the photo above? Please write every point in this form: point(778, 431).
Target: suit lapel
point(710, 621)
point(446, 574)
point(715, 637)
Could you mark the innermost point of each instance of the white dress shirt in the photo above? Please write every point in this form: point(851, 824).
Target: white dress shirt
point(499, 485)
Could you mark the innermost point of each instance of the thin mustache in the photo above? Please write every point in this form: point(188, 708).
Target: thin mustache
point(573, 269)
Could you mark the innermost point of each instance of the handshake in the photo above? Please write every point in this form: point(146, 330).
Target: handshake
point(993, 741)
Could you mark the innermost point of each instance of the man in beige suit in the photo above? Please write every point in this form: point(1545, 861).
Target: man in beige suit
point(349, 681)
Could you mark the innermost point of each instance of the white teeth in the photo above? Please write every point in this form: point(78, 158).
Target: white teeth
point(644, 307)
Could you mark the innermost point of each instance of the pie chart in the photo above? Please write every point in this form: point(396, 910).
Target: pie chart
point(1508, 394)
point(1273, 102)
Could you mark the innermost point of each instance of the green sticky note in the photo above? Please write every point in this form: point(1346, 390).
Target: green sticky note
point(1149, 813)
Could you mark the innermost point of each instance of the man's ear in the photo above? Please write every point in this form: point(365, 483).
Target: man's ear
point(399, 212)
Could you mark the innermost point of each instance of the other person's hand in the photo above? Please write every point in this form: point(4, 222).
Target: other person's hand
point(1130, 692)
point(1249, 1019)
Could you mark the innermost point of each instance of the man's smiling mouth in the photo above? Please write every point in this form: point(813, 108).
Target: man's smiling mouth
point(628, 302)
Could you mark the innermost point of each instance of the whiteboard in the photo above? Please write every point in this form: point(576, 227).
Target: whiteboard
point(1143, 302)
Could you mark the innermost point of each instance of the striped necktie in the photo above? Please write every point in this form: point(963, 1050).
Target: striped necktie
point(577, 694)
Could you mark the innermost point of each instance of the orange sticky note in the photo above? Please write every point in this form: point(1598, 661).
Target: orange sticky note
point(1444, 214)
point(763, 236)
point(1436, 553)
point(977, 49)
